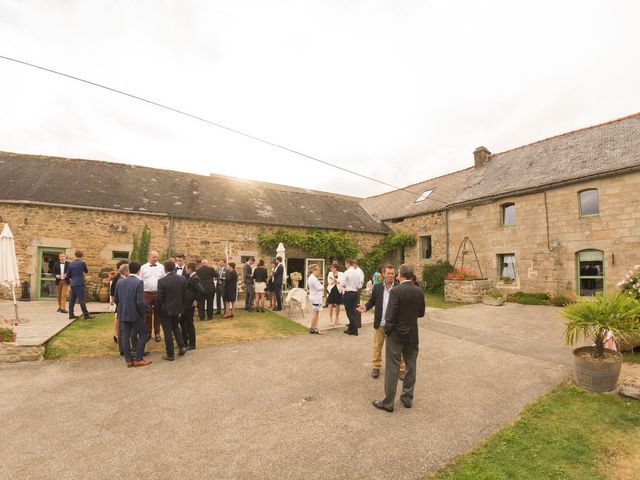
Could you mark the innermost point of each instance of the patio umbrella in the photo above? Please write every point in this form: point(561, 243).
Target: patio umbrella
point(280, 252)
point(9, 263)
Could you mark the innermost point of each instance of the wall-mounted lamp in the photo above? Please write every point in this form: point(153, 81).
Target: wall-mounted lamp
point(555, 243)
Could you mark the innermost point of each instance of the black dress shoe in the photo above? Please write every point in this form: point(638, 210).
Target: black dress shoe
point(406, 404)
point(88, 317)
point(182, 351)
point(380, 406)
point(72, 317)
point(59, 309)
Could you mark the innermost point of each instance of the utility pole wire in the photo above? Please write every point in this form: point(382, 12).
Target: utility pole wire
point(201, 119)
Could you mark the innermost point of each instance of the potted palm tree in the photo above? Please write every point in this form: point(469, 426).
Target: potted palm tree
point(599, 318)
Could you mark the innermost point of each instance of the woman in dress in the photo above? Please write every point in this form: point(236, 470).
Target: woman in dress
point(230, 290)
point(260, 285)
point(270, 287)
point(334, 297)
point(315, 297)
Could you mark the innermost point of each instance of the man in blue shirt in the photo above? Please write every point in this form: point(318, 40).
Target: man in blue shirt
point(77, 269)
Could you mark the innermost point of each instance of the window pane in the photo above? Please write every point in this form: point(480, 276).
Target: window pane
point(119, 255)
point(509, 215)
point(590, 286)
point(591, 269)
point(508, 266)
point(589, 202)
point(425, 244)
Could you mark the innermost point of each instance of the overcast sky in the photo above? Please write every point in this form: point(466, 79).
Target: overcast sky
point(398, 90)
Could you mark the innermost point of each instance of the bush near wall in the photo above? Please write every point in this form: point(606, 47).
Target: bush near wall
point(433, 276)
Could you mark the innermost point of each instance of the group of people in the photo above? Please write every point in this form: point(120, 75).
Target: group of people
point(70, 276)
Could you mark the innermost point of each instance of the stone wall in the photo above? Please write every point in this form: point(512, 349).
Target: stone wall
point(13, 353)
point(465, 291)
point(98, 233)
point(544, 261)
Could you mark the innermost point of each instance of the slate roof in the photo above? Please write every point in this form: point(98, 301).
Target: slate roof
point(598, 150)
point(114, 186)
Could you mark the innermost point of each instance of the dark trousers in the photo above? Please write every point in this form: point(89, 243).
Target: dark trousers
point(170, 329)
point(250, 293)
point(187, 327)
point(219, 296)
point(206, 301)
point(350, 301)
point(77, 293)
point(127, 329)
point(358, 314)
point(277, 291)
point(398, 346)
point(151, 317)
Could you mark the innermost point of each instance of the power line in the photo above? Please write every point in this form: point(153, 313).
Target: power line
point(201, 119)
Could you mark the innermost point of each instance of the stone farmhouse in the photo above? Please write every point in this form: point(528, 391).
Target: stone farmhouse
point(558, 215)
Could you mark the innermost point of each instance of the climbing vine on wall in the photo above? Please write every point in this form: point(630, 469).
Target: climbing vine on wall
point(374, 258)
point(140, 250)
point(318, 243)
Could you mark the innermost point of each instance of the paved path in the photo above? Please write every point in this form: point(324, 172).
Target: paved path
point(294, 408)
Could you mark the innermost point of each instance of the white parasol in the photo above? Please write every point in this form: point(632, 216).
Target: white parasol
point(9, 263)
point(280, 252)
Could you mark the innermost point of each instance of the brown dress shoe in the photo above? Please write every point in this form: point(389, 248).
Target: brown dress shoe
point(182, 351)
point(375, 373)
point(142, 363)
point(129, 364)
point(167, 357)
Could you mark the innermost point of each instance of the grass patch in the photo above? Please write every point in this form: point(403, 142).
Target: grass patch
point(632, 357)
point(568, 434)
point(94, 338)
point(437, 300)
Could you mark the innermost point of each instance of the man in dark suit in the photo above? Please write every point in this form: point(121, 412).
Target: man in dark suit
point(181, 267)
point(77, 269)
point(60, 271)
point(222, 273)
point(406, 305)
point(195, 290)
point(207, 276)
point(278, 278)
point(249, 289)
point(380, 299)
point(129, 298)
point(170, 297)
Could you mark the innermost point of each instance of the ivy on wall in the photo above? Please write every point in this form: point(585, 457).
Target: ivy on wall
point(318, 243)
point(338, 245)
point(140, 250)
point(373, 259)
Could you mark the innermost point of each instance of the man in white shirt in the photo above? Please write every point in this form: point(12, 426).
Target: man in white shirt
point(351, 283)
point(361, 279)
point(60, 270)
point(181, 267)
point(150, 273)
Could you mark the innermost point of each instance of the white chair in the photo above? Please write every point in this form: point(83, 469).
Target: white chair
point(296, 298)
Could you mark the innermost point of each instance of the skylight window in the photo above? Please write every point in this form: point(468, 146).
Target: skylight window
point(424, 196)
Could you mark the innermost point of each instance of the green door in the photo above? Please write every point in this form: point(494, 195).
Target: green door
point(46, 287)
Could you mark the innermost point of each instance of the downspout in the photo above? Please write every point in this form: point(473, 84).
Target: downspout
point(546, 215)
point(170, 236)
point(446, 233)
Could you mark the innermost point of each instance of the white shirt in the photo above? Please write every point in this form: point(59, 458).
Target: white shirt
point(179, 269)
point(62, 272)
point(385, 302)
point(315, 289)
point(334, 282)
point(361, 276)
point(351, 281)
point(150, 274)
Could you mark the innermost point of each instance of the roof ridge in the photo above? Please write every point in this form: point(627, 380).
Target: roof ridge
point(568, 133)
point(418, 183)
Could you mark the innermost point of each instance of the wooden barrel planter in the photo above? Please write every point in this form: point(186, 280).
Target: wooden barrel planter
point(103, 294)
point(595, 374)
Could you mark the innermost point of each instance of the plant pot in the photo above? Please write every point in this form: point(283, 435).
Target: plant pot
point(496, 302)
point(103, 294)
point(7, 337)
point(595, 374)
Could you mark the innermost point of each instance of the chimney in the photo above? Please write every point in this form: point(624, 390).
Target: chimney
point(481, 156)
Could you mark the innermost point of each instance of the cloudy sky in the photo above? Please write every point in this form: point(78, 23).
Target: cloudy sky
point(399, 90)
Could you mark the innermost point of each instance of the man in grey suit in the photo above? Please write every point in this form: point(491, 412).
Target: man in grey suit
point(129, 297)
point(406, 305)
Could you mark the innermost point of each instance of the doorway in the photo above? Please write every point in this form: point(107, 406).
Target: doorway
point(46, 281)
point(296, 265)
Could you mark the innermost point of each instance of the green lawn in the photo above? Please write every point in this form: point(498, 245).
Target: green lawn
point(568, 434)
point(632, 357)
point(94, 338)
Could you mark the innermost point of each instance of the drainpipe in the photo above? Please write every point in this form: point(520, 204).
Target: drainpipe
point(446, 233)
point(170, 235)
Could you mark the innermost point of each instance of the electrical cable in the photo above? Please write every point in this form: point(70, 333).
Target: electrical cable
point(201, 119)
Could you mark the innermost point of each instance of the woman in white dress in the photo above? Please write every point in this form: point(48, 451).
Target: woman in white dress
point(315, 296)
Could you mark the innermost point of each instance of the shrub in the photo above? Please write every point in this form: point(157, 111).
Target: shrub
point(493, 293)
point(433, 276)
point(562, 301)
point(529, 298)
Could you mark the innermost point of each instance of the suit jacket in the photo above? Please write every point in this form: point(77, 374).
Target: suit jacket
point(56, 271)
point(76, 272)
point(194, 291)
point(207, 274)
point(184, 271)
point(377, 300)
point(129, 298)
point(170, 297)
point(247, 274)
point(406, 304)
point(278, 274)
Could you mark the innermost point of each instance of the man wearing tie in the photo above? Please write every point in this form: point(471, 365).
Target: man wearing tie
point(247, 278)
point(195, 291)
point(181, 268)
point(60, 270)
point(169, 302)
point(207, 277)
point(76, 272)
point(150, 273)
point(222, 273)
